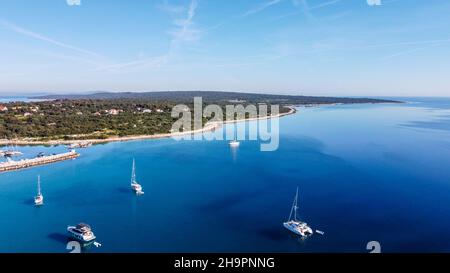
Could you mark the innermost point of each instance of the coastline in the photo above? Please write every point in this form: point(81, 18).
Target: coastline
point(207, 128)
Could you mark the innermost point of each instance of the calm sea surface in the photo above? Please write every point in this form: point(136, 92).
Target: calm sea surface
point(17, 99)
point(365, 173)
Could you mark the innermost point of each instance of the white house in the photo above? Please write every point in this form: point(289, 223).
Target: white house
point(34, 109)
point(113, 112)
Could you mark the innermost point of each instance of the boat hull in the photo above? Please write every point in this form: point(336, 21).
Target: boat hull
point(299, 228)
point(80, 237)
point(137, 188)
point(39, 201)
point(234, 144)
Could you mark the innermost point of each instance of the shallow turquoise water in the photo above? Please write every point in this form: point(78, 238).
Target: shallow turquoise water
point(365, 172)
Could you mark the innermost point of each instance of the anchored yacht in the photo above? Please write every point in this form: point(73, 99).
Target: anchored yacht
point(39, 198)
point(135, 186)
point(294, 225)
point(234, 143)
point(81, 232)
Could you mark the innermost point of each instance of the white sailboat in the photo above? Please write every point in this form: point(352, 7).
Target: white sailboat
point(294, 225)
point(135, 186)
point(39, 198)
point(11, 150)
point(234, 143)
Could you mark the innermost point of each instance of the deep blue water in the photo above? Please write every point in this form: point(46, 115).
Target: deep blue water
point(365, 172)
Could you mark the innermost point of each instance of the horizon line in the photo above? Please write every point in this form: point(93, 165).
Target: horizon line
point(28, 94)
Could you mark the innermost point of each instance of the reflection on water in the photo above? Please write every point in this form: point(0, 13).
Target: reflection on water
point(234, 153)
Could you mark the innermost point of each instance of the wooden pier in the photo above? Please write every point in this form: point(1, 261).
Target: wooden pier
point(38, 161)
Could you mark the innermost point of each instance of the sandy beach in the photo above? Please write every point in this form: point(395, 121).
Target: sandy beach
point(208, 127)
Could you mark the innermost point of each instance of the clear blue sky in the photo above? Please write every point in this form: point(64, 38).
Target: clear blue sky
point(311, 47)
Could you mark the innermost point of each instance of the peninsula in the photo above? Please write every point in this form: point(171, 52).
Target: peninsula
point(105, 117)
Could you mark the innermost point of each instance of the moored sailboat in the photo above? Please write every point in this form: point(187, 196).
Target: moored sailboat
point(294, 225)
point(234, 143)
point(39, 198)
point(135, 186)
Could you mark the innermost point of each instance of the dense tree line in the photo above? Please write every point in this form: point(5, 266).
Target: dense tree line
point(216, 96)
point(88, 118)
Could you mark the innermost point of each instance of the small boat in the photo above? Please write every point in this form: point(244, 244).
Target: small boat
point(39, 198)
point(97, 244)
point(320, 232)
point(72, 146)
point(79, 145)
point(135, 186)
point(81, 232)
point(234, 143)
point(294, 225)
point(11, 153)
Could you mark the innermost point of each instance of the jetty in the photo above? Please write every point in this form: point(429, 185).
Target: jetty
point(38, 161)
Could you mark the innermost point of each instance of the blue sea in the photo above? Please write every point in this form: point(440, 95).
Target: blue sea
point(7, 99)
point(366, 172)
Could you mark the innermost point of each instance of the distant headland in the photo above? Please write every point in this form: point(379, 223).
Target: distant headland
point(212, 96)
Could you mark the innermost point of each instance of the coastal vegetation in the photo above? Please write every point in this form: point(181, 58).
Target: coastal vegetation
point(105, 115)
point(87, 119)
point(215, 97)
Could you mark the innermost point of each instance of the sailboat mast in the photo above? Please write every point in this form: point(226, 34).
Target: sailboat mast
point(133, 173)
point(295, 205)
point(294, 208)
point(39, 185)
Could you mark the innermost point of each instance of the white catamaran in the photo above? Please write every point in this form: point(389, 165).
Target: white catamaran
point(81, 232)
point(39, 198)
point(294, 225)
point(135, 186)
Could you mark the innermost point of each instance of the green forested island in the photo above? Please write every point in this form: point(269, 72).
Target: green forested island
point(104, 115)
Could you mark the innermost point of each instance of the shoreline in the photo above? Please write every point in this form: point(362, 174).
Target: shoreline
point(207, 128)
